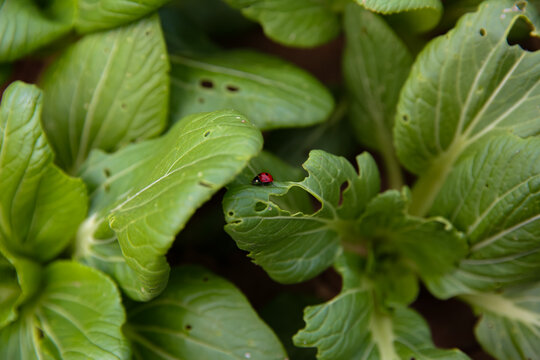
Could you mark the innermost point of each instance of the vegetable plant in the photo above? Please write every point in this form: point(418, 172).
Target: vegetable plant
point(417, 175)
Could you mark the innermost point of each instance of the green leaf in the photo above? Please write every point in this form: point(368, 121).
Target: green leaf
point(510, 322)
point(375, 65)
point(433, 245)
point(290, 245)
point(200, 316)
point(147, 192)
point(104, 14)
point(462, 87)
point(78, 315)
point(20, 279)
point(300, 23)
point(353, 326)
point(269, 91)
point(419, 15)
point(25, 27)
point(106, 90)
point(40, 207)
point(492, 195)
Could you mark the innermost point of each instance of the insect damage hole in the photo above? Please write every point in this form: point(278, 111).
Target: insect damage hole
point(206, 184)
point(232, 88)
point(482, 32)
point(207, 133)
point(522, 34)
point(207, 84)
point(188, 327)
point(107, 172)
point(344, 186)
point(260, 206)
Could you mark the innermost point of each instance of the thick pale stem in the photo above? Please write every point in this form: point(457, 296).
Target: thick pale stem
point(430, 182)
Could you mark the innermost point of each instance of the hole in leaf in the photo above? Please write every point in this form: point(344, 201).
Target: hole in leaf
point(297, 200)
point(521, 34)
point(260, 206)
point(207, 133)
point(482, 32)
point(200, 100)
point(39, 333)
point(412, 358)
point(188, 327)
point(208, 84)
point(107, 172)
point(342, 188)
point(147, 32)
point(232, 88)
point(205, 184)
point(487, 186)
point(405, 118)
point(231, 213)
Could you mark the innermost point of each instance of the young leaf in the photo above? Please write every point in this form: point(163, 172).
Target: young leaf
point(24, 27)
point(78, 314)
point(290, 245)
point(375, 66)
point(510, 322)
point(492, 195)
point(462, 87)
point(269, 91)
point(40, 207)
point(433, 245)
point(419, 15)
point(20, 279)
point(147, 192)
point(200, 316)
point(300, 23)
point(106, 90)
point(104, 14)
point(353, 326)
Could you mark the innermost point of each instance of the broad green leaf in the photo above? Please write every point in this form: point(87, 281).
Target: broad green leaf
point(433, 245)
point(78, 315)
point(300, 23)
point(510, 322)
point(375, 65)
point(492, 195)
point(147, 192)
point(19, 280)
point(200, 316)
point(104, 14)
point(40, 207)
point(269, 91)
point(293, 246)
point(353, 326)
point(106, 90)
point(462, 87)
point(25, 27)
point(418, 15)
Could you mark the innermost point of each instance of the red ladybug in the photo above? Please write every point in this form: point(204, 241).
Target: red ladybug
point(263, 178)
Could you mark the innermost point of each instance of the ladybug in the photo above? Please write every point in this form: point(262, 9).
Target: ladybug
point(263, 178)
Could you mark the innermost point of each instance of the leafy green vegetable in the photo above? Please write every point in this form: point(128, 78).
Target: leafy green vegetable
point(290, 245)
point(269, 91)
point(301, 23)
point(40, 207)
point(106, 90)
point(374, 73)
point(104, 14)
point(462, 87)
point(24, 27)
point(432, 244)
point(354, 326)
point(146, 193)
point(200, 316)
point(417, 15)
point(78, 301)
point(510, 322)
point(493, 196)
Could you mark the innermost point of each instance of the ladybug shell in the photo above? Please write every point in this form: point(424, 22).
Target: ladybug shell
point(263, 178)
